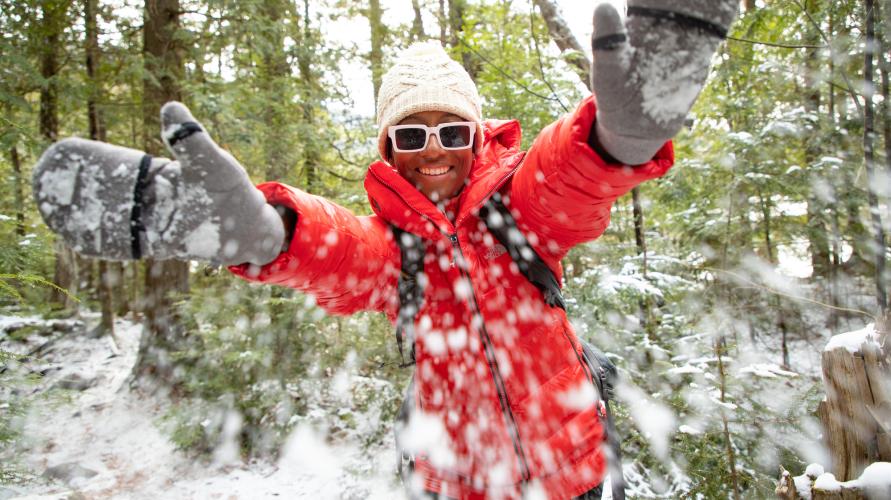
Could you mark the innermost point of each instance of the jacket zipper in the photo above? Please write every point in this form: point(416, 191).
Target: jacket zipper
point(496, 187)
point(488, 348)
point(489, 351)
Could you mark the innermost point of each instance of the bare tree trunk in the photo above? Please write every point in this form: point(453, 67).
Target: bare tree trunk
point(97, 133)
point(163, 68)
point(639, 237)
point(835, 269)
point(304, 63)
point(645, 304)
point(53, 18)
point(885, 68)
point(52, 23)
point(728, 443)
point(565, 40)
point(127, 300)
point(443, 23)
point(274, 72)
point(817, 232)
point(456, 28)
point(869, 157)
point(97, 128)
point(18, 182)
point(417, 25)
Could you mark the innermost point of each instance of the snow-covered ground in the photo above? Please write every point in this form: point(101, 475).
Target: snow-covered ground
point(104, 441)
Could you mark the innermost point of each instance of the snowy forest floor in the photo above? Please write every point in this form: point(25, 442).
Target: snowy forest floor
point(89, 434)
point(93, 437)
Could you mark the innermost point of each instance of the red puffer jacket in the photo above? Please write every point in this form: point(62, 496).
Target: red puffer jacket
point(507, 402)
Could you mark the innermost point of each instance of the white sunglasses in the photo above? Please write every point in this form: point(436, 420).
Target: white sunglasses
point(413, 138)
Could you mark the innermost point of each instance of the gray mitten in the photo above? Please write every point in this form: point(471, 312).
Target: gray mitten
point(646, 78)
point(119, 203)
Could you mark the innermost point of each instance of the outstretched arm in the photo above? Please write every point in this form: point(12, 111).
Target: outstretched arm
point(118, 203)
point(649, 70)
point(646, 75)
point(347, 263)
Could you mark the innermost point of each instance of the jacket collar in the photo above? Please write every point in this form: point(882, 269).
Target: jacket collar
point(401, 204)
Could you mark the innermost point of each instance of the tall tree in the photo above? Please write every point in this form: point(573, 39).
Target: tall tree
point(417, 24)
point(274, 81)
point(163, 70)
point(309, 101)
point(817, 226)
point(376, 56)
point(443, 23)
point(457, 13)
point(108, 272)
point(869, 155)
point(52, 25)
point(18, 190)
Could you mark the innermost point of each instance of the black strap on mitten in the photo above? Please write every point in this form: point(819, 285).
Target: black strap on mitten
point(679, 18)
point(185, 130)
point(136, 224)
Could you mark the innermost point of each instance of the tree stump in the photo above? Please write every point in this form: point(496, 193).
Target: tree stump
point(815, 484)
point(856, 413)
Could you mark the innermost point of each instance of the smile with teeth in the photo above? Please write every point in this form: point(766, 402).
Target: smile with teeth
point(434, 171)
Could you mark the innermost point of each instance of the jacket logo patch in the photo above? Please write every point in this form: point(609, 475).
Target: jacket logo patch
point(497, 251)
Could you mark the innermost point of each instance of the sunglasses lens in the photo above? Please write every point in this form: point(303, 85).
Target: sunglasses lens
point(455, 137)
point(411, 139)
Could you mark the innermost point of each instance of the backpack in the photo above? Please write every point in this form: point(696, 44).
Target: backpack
point(501, 223)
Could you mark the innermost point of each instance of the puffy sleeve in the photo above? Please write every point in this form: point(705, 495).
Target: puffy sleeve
point(348, 263)
point(563, 192)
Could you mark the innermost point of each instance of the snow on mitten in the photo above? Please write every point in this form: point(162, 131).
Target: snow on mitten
point(118, 203)
point(648, 72)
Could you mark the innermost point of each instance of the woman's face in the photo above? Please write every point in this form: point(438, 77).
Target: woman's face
point(438, 173)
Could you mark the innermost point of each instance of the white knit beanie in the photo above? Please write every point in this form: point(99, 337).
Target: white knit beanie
point(425, 78)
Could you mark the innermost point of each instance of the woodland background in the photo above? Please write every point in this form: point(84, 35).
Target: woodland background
point(714, 289)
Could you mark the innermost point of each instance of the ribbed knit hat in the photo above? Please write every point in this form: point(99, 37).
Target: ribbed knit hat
point(425, 78)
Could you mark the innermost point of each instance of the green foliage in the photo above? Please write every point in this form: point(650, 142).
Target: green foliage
point(17, 289)
point(517, 76)
point(261, 353)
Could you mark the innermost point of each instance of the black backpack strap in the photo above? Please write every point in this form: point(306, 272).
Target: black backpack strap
point(605, 373)
point(411, 290)
point(503, 227)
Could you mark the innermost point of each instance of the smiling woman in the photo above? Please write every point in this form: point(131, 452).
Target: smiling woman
point(502, 392)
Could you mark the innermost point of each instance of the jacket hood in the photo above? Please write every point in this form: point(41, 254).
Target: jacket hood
point(398, 202)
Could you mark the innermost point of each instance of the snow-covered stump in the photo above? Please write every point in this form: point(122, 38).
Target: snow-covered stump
point(856, 413)
point(874, 483)
point(856, 418)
